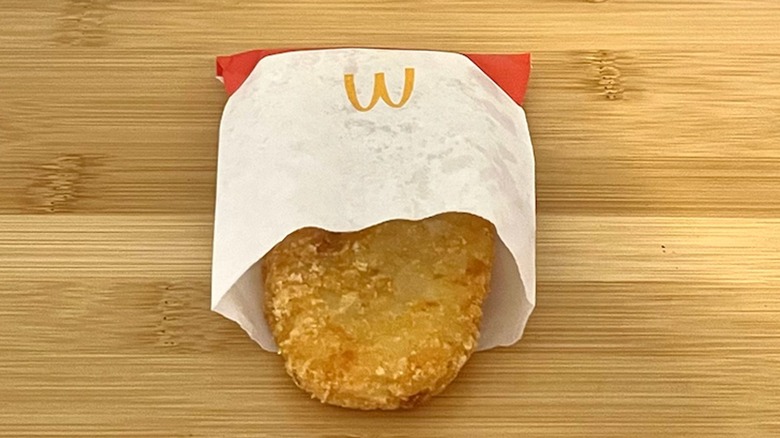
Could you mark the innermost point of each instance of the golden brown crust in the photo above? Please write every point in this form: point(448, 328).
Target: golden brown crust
point(380, 318)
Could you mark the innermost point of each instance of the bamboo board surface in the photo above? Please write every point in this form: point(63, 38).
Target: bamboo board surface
point(656, 127)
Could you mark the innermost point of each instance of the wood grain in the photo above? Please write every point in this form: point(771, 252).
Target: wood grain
point(657, 140)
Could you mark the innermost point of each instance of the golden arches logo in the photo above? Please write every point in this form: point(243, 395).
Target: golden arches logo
point(380, 91)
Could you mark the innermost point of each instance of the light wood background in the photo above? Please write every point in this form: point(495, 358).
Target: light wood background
point(657, 134)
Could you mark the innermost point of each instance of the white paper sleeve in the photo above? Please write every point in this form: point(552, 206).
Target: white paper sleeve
point(299, 146)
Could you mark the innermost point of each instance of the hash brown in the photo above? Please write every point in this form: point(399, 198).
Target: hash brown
point(381, 318)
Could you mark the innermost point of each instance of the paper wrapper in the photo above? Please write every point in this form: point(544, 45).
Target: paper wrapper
point(301, 145)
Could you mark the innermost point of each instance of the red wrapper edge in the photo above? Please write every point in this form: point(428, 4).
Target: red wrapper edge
point(510, 71)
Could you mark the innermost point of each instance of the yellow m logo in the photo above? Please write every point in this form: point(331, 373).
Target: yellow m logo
point(380, 91)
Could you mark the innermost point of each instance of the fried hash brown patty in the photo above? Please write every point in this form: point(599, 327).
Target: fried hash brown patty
point(380, 318)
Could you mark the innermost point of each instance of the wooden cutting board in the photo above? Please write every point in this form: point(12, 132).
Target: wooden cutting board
point(657, 133)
